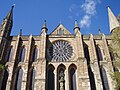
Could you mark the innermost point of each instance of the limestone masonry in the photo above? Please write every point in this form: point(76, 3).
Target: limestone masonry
point(56, 61)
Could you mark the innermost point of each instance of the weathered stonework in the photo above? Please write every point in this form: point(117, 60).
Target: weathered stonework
point(30, 66)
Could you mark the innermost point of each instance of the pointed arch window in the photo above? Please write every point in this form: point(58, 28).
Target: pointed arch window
point(10, 54)
point(50, 77)
point(99, 53)
point(5, 78)
point(32, 79)
point(35, 53)
point(22, 55)
point(18, 79)
point(104, 78)
point(61, 77)
point(72, 77)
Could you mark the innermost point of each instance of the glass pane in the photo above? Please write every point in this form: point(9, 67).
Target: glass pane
point(50, 79)
point(35, 52)
point(10, 54)
point(22, 56)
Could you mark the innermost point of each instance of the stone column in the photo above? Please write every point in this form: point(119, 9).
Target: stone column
point(40, 75)
point(55, 79)
point(10, 71)
point(24, 67)
point(82, 72)
point(107, 63)
point(41, 63)
point(10, 85)
point(94, 65)
point(66, 79)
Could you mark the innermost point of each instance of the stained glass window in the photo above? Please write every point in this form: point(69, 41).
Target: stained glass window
point(60, 51)
point(72, 78)
point(104, 78)
point(35, 52)
point(18, 79)
point(22, 55)
point(50, 78)
point(10, 54)
point(32, 79)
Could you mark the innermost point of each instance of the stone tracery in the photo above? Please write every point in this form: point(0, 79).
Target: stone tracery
point(60, 51)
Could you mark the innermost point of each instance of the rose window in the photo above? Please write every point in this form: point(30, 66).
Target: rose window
point(60, 51)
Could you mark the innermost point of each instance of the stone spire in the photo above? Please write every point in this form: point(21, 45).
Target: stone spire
point(113, 22)
point(76, 24)
point(7, 24)
point(44, 26)
point(20, 33)
point(9, 17)
point(76, 28)
point(99, 31)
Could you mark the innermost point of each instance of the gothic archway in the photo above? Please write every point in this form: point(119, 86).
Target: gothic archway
point(104, 78)
point(18, 79)
point(35, 53)
point(99, 53)
point(50, 78)
point(72, 77)
point(61, 77)
point(10, 54)
point(22, 54)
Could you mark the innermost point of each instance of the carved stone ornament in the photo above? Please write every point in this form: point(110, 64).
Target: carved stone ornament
point(60, 51)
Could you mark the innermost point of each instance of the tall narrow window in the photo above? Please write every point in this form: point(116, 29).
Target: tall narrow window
point(32, 79)
point(22, 55)
point(61, 77)
point(104, 78)
point(35, 52)
point(5, 78)
point(18, 79)
point(50, 78)
point(10, 54)
point(60, 31)
point(72, 78)
point(99, 53)
point(90, 73)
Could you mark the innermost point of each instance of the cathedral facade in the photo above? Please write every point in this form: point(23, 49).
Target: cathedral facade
point(56, 61)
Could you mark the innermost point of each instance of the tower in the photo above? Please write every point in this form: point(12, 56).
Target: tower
point(5, 30)
point(56, 61)
point(113, 22)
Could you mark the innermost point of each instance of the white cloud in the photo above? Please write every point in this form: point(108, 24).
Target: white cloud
point(89, 8)
point(74, 10)
point(85, 22)
point(73, 7)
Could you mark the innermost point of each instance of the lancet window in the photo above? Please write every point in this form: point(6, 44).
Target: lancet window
point(99, 53)
point(72, 77)
point(22, 55)
point(50, 77)
point(32, 79)
point(10, 53)
point(35, 53)
point(104, 78)
point(61, 77)
point(18, 79)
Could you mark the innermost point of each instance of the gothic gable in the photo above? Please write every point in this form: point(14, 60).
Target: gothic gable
point(60, 29)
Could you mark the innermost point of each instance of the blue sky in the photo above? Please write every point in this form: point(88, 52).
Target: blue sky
point(29, 15)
